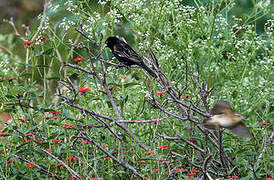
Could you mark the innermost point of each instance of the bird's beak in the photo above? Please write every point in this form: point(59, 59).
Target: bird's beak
point(105, 45)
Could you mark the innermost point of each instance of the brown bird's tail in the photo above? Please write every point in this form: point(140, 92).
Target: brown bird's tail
point(239, 129)
point(208, 124)
point(148, 70)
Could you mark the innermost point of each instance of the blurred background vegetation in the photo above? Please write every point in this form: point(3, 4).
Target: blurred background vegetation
point(27, 11)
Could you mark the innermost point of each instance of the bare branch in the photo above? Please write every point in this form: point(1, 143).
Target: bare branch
point(63, 163)
point(36, 165)
point(127, 166)
point(183, 139)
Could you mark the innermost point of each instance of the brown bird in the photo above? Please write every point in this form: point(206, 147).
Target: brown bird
point(223, 116)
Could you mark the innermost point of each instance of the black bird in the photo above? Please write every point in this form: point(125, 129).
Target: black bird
point(125, 54)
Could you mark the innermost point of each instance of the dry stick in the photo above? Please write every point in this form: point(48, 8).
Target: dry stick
point(120, 138)
point(205, 131)
point(86, 36)
point(199, 154)
point(196, 165)
point(217, 146)
point(144, 121)
point(186, 81)
point(154, 136)
point(63, 163)
point(74, 138)
point(164, 82)
point(65, 85)
point(127, 166)
point(192, 107)
point(184, 139)
point(207, 150)
point(221, 152)
point(69, 101)
point(153, 159)
point(204, 91)
point(102, 80)
point(232, 163)
point(206, 161)
point(16, 32)
point(75, 92)
point(213, 142)
point(79, 68)
point(143, 106)
point(39, 167)
point(37, 142)
point(268, 142)
point(103, 83)
point(70, 87)
point(156, 104)
point(253, 168)
point(108, 127)
point(47, 3)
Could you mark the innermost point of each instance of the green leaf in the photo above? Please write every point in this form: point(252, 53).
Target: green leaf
point(130, 84)
point(48, 51)
point(24, 64)
point(26, 75)
point(42, 66)
point(53, 78)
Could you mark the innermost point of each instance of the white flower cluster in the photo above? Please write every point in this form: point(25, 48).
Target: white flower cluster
point(70, 6)
point(5, 64)
point(64, 24)
point(115, 15)
point(269, 27)
point(102, 2)
point(43, 28)
point(132, 5)
point(53, 7)
point(263, 4)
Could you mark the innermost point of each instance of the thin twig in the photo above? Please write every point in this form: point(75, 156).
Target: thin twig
point(266, 144)
point(143, 121)
point(183, 139)
point(36, 165)
point(63, 163)
point(205, 163)
point(78, 67)
point(221, 152)
point(127, 166)
point(196, 165)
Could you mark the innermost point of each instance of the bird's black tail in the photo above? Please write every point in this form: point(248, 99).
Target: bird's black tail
point(148, 70)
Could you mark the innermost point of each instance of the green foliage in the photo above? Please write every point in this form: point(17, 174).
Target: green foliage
point(225, 51)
